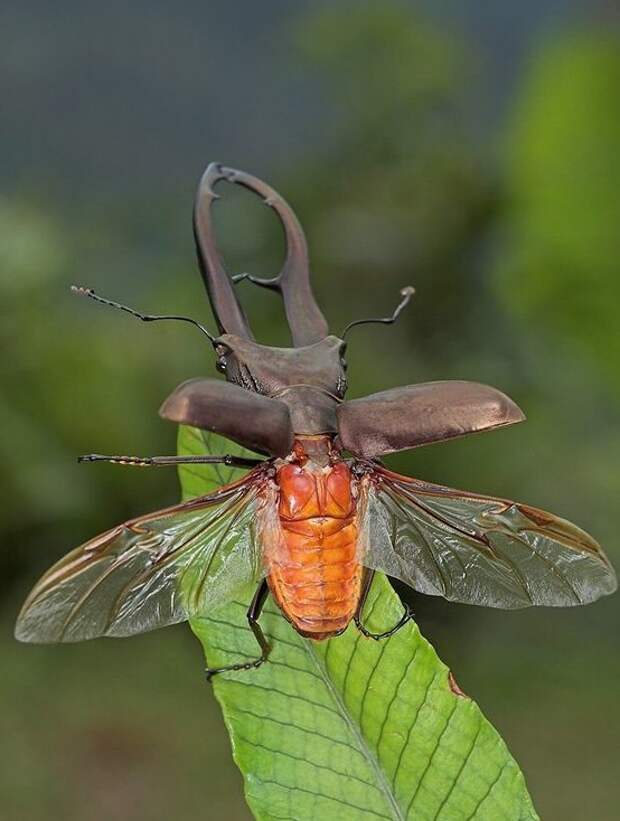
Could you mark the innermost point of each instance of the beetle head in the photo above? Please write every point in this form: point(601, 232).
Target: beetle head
point(275, 371)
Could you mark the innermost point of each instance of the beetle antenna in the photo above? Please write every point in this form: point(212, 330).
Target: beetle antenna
point(406, 294)
point(88, 292)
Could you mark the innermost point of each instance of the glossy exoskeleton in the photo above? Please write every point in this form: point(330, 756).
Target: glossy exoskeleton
point(314, 519)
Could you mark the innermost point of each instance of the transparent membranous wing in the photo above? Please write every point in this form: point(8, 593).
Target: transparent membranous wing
point(479, 550)
point(152, 571)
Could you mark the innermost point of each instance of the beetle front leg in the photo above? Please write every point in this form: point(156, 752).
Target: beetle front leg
point(162, 461)
point(253, 615)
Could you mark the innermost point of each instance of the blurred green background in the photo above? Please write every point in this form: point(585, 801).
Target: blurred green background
point(468, 149)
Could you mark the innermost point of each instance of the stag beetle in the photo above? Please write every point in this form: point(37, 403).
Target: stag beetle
point(314, 520)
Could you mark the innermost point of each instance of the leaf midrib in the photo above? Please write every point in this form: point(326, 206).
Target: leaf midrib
point(381, 779)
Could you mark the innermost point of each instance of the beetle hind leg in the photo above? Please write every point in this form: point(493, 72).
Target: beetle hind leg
point(406, 617)
point(253, 615)
point(357, 618)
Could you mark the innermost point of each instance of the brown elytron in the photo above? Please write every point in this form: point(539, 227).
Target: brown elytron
point(314, 572)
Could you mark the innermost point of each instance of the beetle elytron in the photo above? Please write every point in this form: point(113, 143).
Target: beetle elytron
point(314, 520)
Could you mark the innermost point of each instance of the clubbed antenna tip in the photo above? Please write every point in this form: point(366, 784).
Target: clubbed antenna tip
point(81, 291)
point(407, 292)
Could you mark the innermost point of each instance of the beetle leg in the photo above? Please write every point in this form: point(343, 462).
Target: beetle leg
point(253, 615)
point(160, 461)
point(407, 615)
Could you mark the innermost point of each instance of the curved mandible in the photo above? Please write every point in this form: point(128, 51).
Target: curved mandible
point(228, 312)
point(305, 319)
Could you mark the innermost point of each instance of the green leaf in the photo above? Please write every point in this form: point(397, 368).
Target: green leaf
point(352, 728)
point(197, 480)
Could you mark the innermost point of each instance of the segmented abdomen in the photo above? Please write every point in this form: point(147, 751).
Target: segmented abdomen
point(314, 572)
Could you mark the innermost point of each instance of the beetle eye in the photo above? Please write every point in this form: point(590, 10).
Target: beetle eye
point(221, 351)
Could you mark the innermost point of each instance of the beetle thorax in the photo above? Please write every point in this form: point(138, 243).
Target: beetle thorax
point(311, 380)
point(268, 370)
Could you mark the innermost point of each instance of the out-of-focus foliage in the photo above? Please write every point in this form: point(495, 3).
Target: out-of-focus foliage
point(77, 378)
point(561, 271)
point(111, 731)
point(401, 193)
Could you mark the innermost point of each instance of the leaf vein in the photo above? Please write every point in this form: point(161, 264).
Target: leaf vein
point(326, 797)
point(464, 763)
point(487, 793)
point(432, 756)
point(289, 724)
point(394, 697)
point(356, 732)
point(411, 726)
point(330, 769)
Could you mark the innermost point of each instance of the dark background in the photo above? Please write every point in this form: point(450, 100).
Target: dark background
point(468, 149)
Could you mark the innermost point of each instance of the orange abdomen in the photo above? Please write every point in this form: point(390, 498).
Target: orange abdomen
point(314, 572)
